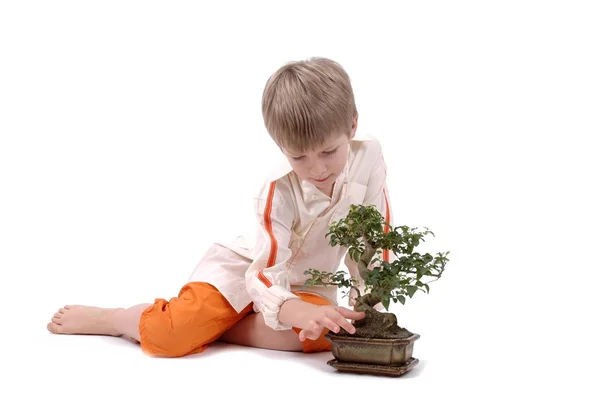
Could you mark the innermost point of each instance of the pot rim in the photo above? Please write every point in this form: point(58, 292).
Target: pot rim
point(338, 338)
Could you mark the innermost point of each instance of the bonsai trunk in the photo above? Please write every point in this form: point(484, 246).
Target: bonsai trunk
point(375, 324)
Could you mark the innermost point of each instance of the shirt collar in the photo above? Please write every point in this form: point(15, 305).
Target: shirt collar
point(284, 166)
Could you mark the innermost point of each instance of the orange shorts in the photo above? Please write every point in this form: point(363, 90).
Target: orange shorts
point(199, 315)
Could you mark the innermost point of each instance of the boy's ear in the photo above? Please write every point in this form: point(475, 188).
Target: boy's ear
point(354, 126)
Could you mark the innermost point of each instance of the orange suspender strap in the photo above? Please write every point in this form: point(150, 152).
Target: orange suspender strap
point(269, 227)
point(386, 252)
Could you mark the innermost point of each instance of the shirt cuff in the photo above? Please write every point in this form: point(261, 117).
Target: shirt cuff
point(271, 300)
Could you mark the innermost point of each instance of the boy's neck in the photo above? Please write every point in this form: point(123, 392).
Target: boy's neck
point(329, 191)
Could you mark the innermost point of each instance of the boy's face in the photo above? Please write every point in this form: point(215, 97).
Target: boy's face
point(321, 166)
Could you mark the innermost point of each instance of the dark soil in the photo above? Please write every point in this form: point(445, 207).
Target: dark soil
point(376, 324)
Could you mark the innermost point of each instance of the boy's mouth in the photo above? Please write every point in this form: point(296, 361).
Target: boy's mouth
point(323, 180)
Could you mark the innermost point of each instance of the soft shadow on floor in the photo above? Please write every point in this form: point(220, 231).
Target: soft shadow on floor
point(236, 356)
point(315, 361)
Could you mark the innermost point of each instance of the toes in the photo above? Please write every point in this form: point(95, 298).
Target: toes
point(56, 320)
point(58, 315)
point(62, 310)
point(54, 328)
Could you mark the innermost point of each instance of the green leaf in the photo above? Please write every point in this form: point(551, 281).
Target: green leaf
point(411, 290)
point(386, 302)
point(362, 229)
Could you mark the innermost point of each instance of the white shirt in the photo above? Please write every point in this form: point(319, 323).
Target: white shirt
point(293, 219)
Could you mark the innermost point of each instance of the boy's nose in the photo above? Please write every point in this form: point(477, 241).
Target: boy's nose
point(317, 170)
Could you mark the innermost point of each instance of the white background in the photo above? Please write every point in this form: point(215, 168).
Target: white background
point(131, 138)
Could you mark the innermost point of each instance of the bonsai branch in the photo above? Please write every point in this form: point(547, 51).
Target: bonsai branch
point(362, 231)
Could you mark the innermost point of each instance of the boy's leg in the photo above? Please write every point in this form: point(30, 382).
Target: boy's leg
point(75, 319)
point(252, 331)
point(188, 323)
point(182, 326)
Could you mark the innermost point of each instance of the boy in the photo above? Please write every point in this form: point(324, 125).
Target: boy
point(250, 293)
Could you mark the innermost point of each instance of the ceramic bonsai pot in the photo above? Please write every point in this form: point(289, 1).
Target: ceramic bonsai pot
point(392, 357)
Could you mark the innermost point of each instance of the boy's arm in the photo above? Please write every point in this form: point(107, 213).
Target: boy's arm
point(313, 319)
point(266, 278)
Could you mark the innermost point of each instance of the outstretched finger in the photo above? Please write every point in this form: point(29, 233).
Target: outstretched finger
point(341, 321)
point(351, 314)
point(332, 323)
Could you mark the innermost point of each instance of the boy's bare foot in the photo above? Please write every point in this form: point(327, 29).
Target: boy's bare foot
point(75, 319)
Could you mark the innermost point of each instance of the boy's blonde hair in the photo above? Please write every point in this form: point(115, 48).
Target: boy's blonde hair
point(304, 102)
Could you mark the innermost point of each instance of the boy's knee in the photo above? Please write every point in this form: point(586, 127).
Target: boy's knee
point(187, 324)
point(165, 333)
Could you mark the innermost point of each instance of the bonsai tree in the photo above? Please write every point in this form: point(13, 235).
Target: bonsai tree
point(366, 234)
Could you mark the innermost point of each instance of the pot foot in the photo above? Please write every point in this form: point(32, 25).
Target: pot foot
point(374, 369)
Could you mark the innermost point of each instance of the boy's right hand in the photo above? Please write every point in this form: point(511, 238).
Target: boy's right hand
point(331, 317)
point(313, 319)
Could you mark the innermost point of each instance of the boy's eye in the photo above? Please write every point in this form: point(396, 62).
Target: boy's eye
point(299, 158)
